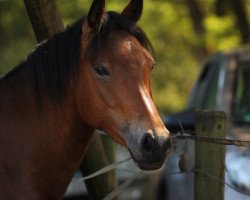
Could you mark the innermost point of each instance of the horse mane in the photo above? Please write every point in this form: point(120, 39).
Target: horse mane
point(54, 62)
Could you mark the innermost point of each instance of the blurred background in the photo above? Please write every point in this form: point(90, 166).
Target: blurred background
point(183, 32)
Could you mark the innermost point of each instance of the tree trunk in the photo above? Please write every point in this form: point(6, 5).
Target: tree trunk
point(93, 161)
point(46, 22)
point(239, 9)
point(44, 17)
point(197, 15)
point(221, 7)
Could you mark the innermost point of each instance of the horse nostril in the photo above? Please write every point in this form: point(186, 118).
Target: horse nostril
point(148, 143)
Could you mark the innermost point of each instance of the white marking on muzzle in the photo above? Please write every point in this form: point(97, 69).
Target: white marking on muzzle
point(147, 99)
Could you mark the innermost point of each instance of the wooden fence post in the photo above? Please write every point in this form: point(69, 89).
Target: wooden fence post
point(209, 158)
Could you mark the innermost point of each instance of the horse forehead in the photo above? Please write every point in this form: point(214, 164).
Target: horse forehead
point(129, 48)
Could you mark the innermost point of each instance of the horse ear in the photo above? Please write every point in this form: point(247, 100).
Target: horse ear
point(96, 12)
point(133, 10)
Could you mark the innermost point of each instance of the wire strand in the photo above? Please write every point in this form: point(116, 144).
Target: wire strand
point(223, 141)
point(220, 180)
point(122, 187)
point(105, 169)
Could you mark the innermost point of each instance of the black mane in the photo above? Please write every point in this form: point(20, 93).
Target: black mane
point(53, 63)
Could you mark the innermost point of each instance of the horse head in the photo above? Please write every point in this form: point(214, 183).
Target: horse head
point(114, 92)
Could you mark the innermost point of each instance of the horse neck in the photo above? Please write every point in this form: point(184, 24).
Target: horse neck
point(46, 145)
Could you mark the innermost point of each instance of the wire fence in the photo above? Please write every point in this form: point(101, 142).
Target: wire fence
point(182, 164)
point(222, 141)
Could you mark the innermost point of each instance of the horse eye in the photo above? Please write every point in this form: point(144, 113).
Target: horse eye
point(152, 66)
point(101, 71)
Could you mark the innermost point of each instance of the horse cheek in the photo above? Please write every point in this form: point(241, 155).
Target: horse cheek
point(88, 105)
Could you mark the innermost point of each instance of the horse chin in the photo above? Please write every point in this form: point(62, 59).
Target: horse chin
point(147, 167)
point(145, 164)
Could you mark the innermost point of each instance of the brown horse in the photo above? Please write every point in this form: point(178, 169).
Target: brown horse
point(94, 75)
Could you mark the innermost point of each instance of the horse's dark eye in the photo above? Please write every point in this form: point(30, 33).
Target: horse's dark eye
point(101, 70)
point(152, 66)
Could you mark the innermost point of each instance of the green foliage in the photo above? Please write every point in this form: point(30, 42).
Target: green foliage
point(167, 24)
point(16, 34)
point(222, 31)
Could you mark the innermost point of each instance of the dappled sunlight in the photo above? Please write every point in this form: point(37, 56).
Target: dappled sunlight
point(220, 34)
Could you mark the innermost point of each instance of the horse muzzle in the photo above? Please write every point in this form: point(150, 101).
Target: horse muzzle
point(150, 151)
